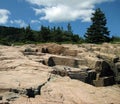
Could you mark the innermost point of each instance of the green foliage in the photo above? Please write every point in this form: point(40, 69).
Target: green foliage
point(4, 41)
point(11, 35)
point(29, 34)
point(115, 39)
point(45, 34)
point(97, 32)
point(69, 28)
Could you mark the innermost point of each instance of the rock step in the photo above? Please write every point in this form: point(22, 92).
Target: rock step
point(110, 58)
point(86, 75)
point(67, 61)
point(104, 81)
point(36, 100)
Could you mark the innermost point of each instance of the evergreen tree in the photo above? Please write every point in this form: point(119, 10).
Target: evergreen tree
point(98, 32)
point(69, 28)
point(45, 32)
point(29, 34)
point(9, 35)
point(58, 35)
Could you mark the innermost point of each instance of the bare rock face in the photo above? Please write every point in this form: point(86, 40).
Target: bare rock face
point(70, 52)
point(109, 58)
point(18, 73)
point(67, 61)
point(94, 63)
point(59, 50)
point(53, 49)
point(117, 71)
point(60, 74)
point(83, 73)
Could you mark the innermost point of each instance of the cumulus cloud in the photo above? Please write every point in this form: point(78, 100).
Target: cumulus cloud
point(19, 22)
point(65, 10)
point(4, 15)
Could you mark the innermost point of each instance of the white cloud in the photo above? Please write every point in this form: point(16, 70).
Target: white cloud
point(35, 21)
point(19, 22)
point(4, 15)
point(65, 10)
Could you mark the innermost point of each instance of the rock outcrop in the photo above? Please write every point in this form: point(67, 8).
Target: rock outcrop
point(65, 60)
point(60, 74)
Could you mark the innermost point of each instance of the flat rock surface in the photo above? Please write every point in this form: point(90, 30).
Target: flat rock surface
point(19, 71)
point(62, 90)
point(22, 79)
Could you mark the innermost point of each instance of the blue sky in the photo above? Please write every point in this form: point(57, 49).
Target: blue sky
point(20, 13)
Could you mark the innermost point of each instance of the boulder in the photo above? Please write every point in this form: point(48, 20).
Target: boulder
point(66, 70)
point(82, 76)
point(69, 52)
point(4, 102)
point(109, 58)
point(53, 49)
point(85, 75)
point(95, 63)
point(100, 66)
point(60, 70)
point(104, 81)
point(1, 97)
point(117, 72)
point(29, 53)
point(91, 75)
point(67, 61)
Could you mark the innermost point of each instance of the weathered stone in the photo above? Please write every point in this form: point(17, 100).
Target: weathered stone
point(29, 53)
point(60, 70)
point(110, 58)
point(110, 49)
point(91, 76)
point(53, 49)
point(117, 72)
point(68, 52)
point(21, 72)
point(3, 90)
point(4, 102)
point(10, 96)
point(84, 75)
point(1, 97)
point(31, 50)
point(104, 81)
point(67, 61)
point(95, 63)
point(28, 50)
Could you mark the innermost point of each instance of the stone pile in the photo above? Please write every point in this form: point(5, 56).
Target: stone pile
point(83, 74)
point(96, 57)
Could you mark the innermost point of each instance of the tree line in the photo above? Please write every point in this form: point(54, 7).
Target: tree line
point(9, 35)
point(96, 33)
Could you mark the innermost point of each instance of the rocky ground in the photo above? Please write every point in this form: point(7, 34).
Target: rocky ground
point(56, 74)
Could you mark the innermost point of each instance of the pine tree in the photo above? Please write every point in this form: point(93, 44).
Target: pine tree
point(29, 34)
point(98, 32)
point(69, 28)
point(45, 33)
